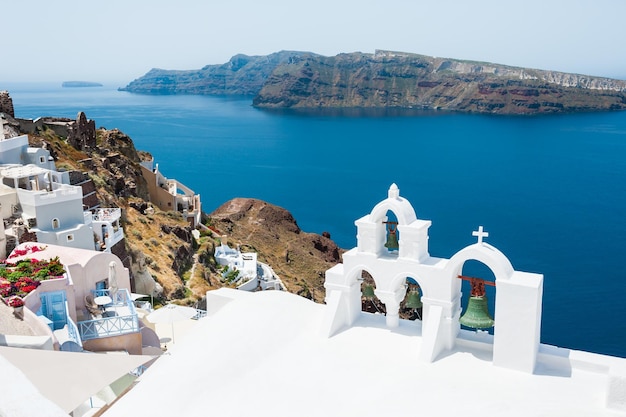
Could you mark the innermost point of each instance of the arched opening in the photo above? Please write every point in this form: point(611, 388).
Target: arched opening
point(411, 306)
point(479, 296)
point(55, 223)
point(392, 235)
point(370, 303)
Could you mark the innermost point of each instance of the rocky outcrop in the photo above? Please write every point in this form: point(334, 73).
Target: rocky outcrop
point(6, 104)
point(116, 154)
point(82, 134)
point(242, 75)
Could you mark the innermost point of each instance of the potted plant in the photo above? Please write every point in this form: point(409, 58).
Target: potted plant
point(17, 303)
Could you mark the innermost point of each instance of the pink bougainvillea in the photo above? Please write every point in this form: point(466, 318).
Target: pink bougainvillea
point(26, 250)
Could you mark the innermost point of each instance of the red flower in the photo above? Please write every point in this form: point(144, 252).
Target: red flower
point(16, 301)
point(29, 288)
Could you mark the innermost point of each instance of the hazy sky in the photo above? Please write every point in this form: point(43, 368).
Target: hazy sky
point(120, 40)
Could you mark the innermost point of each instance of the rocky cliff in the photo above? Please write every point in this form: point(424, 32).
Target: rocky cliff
point(391, 79)
point(6, 103)
point(242, 75)
point(388, 79)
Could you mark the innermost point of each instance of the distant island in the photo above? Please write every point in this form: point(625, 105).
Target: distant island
point(80, 84)
point(292, 79)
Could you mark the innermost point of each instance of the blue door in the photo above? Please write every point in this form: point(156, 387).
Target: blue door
point(53, 307)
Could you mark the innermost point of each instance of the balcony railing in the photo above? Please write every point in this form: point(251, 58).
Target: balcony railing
point(108, 326)
point(72, 330)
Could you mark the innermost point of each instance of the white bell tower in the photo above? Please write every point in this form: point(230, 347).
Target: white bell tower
point(518, 301)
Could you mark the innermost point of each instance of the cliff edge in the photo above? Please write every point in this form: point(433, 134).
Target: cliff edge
point(291, 79)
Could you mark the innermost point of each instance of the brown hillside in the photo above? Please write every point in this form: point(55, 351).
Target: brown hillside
point(299, 258)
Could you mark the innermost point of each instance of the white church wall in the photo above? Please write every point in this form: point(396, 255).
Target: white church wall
point(343, 300)
point(414, 240)
point(518, 321)
point(369, 235)
point(616, 393)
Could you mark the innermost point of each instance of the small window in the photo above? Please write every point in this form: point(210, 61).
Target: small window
point(55, 223)
point(42, 160)
point(70, 238)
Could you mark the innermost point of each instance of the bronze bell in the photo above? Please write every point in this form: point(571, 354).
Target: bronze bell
point(477, 314)
point(392, 241)
point(413, 300)
point(392, 236)
point(368, 291)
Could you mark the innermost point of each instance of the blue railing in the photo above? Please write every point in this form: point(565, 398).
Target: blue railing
point(72, 330)
point(108, 326)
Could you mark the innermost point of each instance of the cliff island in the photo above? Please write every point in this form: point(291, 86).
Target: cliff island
point(290, 79)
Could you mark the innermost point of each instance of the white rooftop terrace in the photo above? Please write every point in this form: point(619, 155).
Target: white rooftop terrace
point(263, 354)
point(21, 171)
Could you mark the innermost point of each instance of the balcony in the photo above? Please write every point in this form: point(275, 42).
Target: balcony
point(117, 317)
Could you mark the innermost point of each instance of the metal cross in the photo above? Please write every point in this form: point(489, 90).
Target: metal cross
point(480, 233)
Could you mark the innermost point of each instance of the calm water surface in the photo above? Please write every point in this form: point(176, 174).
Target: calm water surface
point(550, 190)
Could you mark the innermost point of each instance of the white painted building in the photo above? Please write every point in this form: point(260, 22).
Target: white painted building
point(252, 275)
point(170, 194)
point(106, 227)
point(40, 200)
point(50, 208)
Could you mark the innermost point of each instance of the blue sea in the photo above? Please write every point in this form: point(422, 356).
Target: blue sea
point(549, 190)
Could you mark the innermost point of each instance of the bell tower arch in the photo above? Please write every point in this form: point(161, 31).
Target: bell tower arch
point(413, 233)
point(517, 304)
